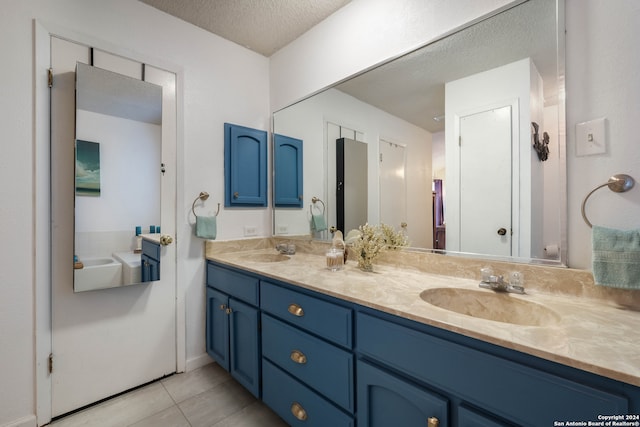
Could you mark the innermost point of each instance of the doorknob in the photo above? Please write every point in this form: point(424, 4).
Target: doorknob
point(502, 231)
point(166, 240)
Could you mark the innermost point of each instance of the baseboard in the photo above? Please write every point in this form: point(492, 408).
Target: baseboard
point(28, 421)
point(198, 362)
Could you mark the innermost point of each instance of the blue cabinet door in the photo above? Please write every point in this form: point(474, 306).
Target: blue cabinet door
point(150, 262)
point(245, 345)
point(245, 166)
point(287, 172)
point(217, 327)
point(385, 400)
point(150, 269)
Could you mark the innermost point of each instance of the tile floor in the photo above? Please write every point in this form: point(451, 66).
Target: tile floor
point(205, 397)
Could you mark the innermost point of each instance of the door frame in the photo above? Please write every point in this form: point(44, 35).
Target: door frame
point(42, 33)
point(454, 199)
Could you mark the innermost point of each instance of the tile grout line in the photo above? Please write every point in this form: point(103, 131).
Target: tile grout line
point(176, 404)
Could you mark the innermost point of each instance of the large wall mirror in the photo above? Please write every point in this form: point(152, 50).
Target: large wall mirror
point(465, 140)
point(117, 175)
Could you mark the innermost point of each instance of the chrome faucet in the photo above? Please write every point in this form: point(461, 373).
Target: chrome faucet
point(498, 284)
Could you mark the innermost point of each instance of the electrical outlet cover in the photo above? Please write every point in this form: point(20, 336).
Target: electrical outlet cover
point(590, 138)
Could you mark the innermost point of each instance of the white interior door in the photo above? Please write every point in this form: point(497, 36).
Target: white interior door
point(105, 341)
point(485, 182)
point(393, 184)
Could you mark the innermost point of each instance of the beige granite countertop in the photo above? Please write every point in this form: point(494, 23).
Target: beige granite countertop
point(596, 335)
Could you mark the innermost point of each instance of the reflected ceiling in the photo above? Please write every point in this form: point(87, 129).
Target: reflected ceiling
point(412, 87)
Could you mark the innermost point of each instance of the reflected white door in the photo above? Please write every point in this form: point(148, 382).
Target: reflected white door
point(105, 341)
point(485, 182)
point(393, 184)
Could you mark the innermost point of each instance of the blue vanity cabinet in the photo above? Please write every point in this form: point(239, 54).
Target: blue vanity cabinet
point(233, 321)
point(245, 166)
point(308, 362)
point(287, 178)
point(511, 391)
point(150, 261)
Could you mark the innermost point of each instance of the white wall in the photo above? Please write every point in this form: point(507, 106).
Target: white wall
point(218, 81)
point(602, 63)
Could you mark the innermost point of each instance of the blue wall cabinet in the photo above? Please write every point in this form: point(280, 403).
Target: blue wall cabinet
point(386, 400)
point(232, 329)
point(150, 261)
point(245, 166)
point(287, 178)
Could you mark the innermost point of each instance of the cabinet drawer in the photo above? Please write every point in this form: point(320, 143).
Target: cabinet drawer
point(292, 401)
point(235, 284)
point(322, 366)
point(323, 318)
point(516, 392)
point(150, 249)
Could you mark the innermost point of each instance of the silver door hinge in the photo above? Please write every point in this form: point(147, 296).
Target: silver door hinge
point(50, 363)
point(380, 157)
point(460, 141)
point(50, 77)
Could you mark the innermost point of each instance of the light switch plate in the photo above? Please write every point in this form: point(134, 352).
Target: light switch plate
point(590, 138)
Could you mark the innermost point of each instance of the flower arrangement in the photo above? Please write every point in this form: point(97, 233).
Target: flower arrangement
point(369, 241)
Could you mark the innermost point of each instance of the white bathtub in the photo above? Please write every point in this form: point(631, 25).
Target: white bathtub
point(98, 273)
point(131, 267)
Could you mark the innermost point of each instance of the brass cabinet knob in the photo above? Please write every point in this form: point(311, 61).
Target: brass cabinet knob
point(228, 310)
point(298, 411)
point(223, 307)
point(298, 357)
point(433, 422)
point(236, 195)
point(296, 310)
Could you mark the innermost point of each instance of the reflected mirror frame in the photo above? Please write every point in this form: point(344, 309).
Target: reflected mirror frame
point(561, 261)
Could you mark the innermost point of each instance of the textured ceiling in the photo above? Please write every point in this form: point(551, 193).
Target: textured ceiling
point(263, 26)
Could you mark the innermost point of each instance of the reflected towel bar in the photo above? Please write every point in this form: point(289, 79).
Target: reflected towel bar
point(202, 196)
point(314, 199)
point(619, 183)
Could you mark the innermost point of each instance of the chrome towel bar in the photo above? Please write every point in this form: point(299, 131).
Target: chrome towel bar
point(202, 196)
point(619, 183)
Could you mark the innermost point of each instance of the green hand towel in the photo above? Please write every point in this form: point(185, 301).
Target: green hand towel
point(206, 227)
point(616, 257)
point(318, 223)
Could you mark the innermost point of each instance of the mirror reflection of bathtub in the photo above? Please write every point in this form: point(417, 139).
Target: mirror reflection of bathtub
point(98, 273)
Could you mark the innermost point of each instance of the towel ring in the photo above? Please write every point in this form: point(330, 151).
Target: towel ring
point(314, 199)
point(619, 183)
point(202, 196)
